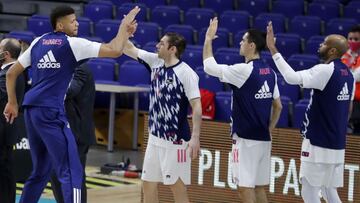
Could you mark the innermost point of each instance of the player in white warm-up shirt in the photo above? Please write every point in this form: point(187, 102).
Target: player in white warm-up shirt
point(171, 145)
point(325, 123)
point(255, 110)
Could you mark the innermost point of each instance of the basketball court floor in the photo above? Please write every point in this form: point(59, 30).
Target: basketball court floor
point(104, 188)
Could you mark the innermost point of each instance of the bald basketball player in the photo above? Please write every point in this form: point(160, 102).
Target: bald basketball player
point(326, 117)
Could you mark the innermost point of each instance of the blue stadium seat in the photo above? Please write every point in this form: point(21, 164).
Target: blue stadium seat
point(107, 29)
point(219, 5)
point(187, 31)
point(224, 94)
point(193, 56)
point(150, 46)
point(209, 82)
point(299, 113)
point(199, 17)
point(222, 108)
point(235, 21)
point(25, 36)
point(254, 7)
point(352, 10)
point(166, 15)
point(153, 3)
point(288, 44)
point(306, 93)
point(238, 37)
point(103, 69)
point(222, 40)
point(39, 24)
point(185, 4)
point(228, 56)
point(126, 7)
point(146, 32)
point(324, 10)
point(288, 8)
point(284, 115)
point(144, 98)
point(304, 101)
point(278, 21)
point(340, 26)
point(305, 26)
point(302, 61)
point(133, 73)
point(120, 2)
point(85, 25)
point(291, 91)
point(98, 10)
point(266, 57)
point(313, 44)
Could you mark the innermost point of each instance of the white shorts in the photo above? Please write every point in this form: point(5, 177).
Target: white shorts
point(320, 174)
point(166, 162)
point(250, 162)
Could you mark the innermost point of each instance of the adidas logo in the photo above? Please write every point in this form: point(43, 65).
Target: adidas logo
point(264, 92)
point(48, 61)
point(344, 93)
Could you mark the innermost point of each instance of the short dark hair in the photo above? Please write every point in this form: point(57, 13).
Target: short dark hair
point(13, 47)
point(258, 38)
point(177, 40)
point(355, 28)
point(60, 12)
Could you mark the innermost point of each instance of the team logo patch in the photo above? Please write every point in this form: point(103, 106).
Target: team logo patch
point(305, 154)
point(344, 93)
point(264, 92)
point(48, 61)
point(169, 81)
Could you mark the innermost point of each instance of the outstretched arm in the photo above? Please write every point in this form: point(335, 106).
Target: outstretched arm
point(127, 28)
point(131, 50)
point(210, 65)
point(288, 73)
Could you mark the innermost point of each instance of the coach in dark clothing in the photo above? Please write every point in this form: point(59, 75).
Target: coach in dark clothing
point(9, 52)
point(79, 106)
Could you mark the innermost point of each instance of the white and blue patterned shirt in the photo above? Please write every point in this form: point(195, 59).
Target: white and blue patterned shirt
point(171, 89)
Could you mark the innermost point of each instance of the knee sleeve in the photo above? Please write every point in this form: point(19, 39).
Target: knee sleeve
point(330, 195)
point(309, 193)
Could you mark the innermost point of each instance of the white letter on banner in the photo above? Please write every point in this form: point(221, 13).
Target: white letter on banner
point(352, 168)
point(275, 174)
point(204, 166)
point(291, 173)
point(231, 184)
point(217, 182)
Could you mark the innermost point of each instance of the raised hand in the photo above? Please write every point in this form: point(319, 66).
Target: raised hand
point(130, 17)
point(211, 31)
point(131, 29)
point(270, 40)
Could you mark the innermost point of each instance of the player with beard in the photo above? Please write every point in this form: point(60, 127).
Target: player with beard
point(325, 121)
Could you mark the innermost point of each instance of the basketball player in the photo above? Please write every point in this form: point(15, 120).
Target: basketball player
point(326, 117)
point(171, 145)
point(53, 58)
point(256, 108)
